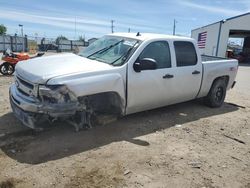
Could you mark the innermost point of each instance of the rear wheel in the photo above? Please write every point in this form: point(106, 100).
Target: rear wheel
point(217, 94)
point(7, 69)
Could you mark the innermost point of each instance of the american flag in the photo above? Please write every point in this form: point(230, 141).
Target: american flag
point(202, 37)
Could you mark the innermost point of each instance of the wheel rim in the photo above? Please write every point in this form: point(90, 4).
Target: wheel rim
point(219, 94)
point(10, 69)
point(4, 69)
point(7, 69)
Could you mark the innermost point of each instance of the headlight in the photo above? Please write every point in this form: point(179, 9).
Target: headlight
point(56, 94)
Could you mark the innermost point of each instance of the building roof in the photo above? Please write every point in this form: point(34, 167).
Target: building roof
point(248, 13)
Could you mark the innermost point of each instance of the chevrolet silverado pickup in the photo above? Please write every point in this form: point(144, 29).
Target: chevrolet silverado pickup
point(119, 74)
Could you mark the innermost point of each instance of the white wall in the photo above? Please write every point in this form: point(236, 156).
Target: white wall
point(212, 37)
point(239, 23)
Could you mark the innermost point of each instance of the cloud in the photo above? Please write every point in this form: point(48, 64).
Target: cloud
point(83, 24)
point(48, 20)
point(55, 23)
point(213, 9)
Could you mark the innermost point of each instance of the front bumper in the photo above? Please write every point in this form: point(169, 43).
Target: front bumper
point(28, 110)
point(24, 108)
point(23, 102)
point(25, 117)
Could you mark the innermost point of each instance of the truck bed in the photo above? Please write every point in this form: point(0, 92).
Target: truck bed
point(214, 67)
point(205, 58)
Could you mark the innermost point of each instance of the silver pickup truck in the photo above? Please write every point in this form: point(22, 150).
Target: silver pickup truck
point(117, 75)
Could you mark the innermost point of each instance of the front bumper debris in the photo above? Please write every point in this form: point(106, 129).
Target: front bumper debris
point(29, 111)
point(25, 117)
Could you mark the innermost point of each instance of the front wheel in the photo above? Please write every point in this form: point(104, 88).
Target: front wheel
point(7, 69)
point(217, 94)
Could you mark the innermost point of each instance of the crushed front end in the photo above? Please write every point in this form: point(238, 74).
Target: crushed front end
point(33, 103)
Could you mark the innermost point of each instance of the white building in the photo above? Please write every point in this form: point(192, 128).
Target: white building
point(213, 38)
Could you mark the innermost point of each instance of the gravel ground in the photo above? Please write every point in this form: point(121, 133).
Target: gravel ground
point(183, 145)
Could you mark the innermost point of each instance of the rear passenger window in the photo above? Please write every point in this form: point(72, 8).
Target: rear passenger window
point(159, 51)
point(185, 53)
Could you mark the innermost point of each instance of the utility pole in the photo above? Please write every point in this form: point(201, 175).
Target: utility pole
point(112, 26)
point(174, 26)
point(21, 26)
point(75, 28)
point(36, 37)
point(129, 30)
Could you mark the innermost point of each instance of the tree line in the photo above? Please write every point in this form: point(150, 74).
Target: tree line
point(3, 29)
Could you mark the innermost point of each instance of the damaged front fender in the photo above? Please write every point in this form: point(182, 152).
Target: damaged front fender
point(83, 85)
point(78, 100)
point(58, 100)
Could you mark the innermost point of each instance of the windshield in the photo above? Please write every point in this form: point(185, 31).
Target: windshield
point(110, 49)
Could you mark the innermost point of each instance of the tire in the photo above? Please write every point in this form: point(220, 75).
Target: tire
point(217, 94)
point(7, 69)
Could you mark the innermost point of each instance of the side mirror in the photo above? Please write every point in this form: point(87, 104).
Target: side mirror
point(145, 64)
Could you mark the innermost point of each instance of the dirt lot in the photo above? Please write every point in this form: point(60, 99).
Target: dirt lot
point(184, 145)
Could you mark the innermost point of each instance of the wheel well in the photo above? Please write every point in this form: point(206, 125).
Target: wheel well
point(104, 103)
point(225, 78)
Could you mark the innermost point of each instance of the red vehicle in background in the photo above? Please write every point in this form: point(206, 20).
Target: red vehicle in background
point(11, 59)
point(239, 55)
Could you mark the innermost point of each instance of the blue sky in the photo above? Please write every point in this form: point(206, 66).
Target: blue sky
point(51, 18)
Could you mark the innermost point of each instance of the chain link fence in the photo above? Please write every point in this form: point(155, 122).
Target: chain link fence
point(33, 44)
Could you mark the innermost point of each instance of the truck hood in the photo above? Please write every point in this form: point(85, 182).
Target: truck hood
point(39, 70)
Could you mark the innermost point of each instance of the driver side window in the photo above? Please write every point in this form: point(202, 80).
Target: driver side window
point(160, 52)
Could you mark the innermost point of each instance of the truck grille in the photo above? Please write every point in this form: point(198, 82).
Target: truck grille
point(21, 91)
point(23, 82)
point(24, 87)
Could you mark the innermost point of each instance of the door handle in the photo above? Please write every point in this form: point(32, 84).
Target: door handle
point(168, 76)
point(196, 72)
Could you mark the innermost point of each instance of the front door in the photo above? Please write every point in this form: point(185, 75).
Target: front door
point(150, 89)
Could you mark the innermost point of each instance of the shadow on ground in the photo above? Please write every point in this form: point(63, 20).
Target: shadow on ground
point(61, 141)
point(6, 76)
point(244, 64)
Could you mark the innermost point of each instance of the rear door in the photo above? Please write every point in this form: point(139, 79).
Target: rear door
point(188, 70)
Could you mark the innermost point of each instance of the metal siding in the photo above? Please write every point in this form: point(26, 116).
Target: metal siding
point(212, 38)
point(228, 19)
point(238, 23)
point(14, 43)
point(217, 40)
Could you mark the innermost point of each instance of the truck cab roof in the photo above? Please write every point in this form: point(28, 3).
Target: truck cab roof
point(149, 36)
